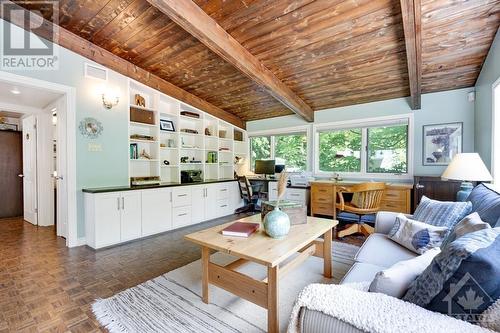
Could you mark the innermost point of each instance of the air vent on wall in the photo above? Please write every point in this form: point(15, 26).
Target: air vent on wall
point(95, 72)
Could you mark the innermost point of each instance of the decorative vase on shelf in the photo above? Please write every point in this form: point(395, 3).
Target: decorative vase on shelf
point(277, 222)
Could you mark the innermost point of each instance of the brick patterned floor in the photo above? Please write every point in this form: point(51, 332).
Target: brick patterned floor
point(46, 287)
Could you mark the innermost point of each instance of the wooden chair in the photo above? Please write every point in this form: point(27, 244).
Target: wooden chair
point(366, 198)
point(250, 194)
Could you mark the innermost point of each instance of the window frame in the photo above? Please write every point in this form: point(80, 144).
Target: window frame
point(364, 125)
point(280, 132)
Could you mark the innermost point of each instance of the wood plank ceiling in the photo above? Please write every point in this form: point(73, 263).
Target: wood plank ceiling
point(329, 52)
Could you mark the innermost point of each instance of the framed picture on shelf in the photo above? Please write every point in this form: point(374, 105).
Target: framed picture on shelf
point(167, 125)
point(8, 127)
point(441, 142)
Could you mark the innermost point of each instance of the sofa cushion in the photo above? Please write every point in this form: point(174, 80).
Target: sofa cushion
point(486, 202)
point(312, 321)
point(470, 223)
point(462, 280)
point(361, 272)
point(395, 280)
point(379, 250)
point(416, 236)
point(441, 213)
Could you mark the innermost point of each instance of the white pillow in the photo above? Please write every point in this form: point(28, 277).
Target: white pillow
point(470, 223)
point(395, 281)
point(416, 236)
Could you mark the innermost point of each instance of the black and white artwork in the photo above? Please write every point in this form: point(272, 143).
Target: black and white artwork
point(441, 142)
point(167, 125)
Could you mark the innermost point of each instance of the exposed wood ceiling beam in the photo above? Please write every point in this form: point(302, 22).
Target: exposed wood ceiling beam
point(411, 14)
point(199, 24)
point(93, 52)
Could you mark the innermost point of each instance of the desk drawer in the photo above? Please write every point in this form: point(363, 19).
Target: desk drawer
point(394, 195)
point(296, 195)
point(323, 209)
point(322, 194)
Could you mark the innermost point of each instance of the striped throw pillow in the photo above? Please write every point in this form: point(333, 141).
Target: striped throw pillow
point(441, 213)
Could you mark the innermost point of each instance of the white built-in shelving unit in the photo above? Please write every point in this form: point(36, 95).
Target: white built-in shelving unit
point(214, 136)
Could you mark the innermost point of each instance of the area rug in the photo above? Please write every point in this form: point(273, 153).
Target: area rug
point(172, 302)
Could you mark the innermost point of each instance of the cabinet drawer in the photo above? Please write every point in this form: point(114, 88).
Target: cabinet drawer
point(273, 191)
point(181, 216)
point(322, 194)
point(394, 195)
point(181, 196)
point(394, 206)
point(223, 191)
point(296, 195)
point(324, 209)
point(223, 208)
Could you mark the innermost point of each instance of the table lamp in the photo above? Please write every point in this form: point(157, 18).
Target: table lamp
point(466, 167)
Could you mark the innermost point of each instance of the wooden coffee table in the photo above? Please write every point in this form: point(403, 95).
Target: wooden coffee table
point(261, 249)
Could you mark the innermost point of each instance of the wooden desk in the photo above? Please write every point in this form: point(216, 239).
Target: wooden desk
point(397, 197)
point(262, 249)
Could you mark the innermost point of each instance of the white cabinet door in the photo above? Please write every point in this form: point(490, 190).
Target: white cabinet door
point(296, 195)
point(131, 215)
point(198, 203)
point(181, 196)
point(237, 200)
point(211, 202)
point(107, 219)
point(273, 191)
point(156, 211)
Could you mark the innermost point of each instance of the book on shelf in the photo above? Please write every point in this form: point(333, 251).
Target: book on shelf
point(134, 154)
point(240, 229)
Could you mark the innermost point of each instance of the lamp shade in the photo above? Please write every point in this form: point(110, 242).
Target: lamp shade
point(467, 167)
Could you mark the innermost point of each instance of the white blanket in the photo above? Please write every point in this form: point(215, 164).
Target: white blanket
point(374, 312)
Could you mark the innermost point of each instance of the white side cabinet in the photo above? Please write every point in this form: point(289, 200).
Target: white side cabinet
point(156, 211)
point(299, 195)
point(111, 218)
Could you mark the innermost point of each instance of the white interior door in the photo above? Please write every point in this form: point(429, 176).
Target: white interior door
point(30, 170)
point(61, 169)
point(45, 168)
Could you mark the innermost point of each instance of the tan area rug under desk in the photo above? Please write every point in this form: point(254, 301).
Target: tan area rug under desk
point(172, 302)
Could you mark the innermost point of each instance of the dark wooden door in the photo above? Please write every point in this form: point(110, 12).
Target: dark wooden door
point(11, 166)
point(435, 188)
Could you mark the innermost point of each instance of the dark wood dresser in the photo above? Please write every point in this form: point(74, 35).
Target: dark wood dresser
point(434, 188)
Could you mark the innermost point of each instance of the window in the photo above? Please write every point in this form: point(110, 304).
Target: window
point(340, 150)
point(375, 147)
point(260, 148)
point(288, 149)
point(291, 150)
point(387, 149)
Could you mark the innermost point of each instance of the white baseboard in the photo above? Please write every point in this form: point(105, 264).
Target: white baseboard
point(81, 241)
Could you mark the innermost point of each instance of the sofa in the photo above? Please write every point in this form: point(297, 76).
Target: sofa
point(378, 253)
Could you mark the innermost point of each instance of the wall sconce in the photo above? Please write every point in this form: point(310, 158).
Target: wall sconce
point(110, 97)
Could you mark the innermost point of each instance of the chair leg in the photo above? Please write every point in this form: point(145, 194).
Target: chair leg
point(366, 229)
point(352, 229)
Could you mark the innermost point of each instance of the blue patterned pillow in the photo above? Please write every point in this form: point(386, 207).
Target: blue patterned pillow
point(416, 236)
point(486, 202)
point(441, 213)
point(463, 280)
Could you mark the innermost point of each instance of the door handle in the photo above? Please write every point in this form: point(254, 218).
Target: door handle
point(58, 177)
point(123, 203)
point(118, 202)
point(419, 186)
point(20, 175)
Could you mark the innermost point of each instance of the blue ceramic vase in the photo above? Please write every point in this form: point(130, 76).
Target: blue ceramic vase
point(276, 223)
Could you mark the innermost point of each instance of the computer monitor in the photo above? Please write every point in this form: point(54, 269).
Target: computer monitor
point(278, 168)
point(264, 167)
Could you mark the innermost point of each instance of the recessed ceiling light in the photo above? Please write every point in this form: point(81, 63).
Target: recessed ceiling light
point(15, 91)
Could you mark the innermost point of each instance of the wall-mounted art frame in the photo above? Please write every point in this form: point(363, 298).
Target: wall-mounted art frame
point(167, 125)
point(441, 142)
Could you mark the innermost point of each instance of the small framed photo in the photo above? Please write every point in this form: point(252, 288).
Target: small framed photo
point(167, 125)
point(8, 127)
point(441, 142)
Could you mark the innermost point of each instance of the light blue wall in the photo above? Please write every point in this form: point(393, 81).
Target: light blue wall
point(441, 107)
point(93, 169)
point(484, 109)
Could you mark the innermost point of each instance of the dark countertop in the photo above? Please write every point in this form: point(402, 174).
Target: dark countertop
point(146, 187)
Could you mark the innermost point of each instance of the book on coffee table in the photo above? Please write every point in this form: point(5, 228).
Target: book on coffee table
point(240, 229)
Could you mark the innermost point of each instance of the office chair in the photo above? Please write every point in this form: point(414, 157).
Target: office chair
point(250, 194)
point(365, 202)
